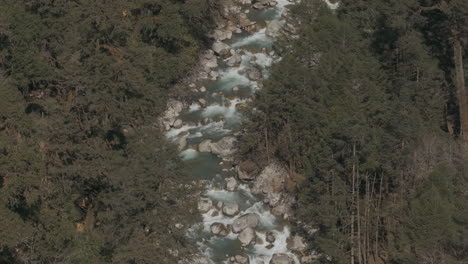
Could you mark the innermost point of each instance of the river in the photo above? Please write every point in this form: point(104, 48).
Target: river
point(220, 118)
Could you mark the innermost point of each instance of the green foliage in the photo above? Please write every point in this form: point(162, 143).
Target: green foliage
point(83, 178)
point(437, 219)
point(350, 106)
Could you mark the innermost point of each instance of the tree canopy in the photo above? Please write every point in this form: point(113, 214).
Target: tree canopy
point(84, 175)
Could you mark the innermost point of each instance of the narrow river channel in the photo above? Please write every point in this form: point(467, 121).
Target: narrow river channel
point(217, 116)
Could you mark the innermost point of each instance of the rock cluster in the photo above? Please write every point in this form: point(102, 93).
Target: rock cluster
point(272, 183)
point(169, 118)
point(223, 148)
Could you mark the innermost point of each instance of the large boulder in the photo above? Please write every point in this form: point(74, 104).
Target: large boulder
point(230, 209)
point(205, 205)
point(220, 48)
point(281, 259)
point(231, 184)
point(222, 34)
point(224, 147)
point(209, 64)
point(273, 28)
point(296, 243)
point(238, 259)
point(247, 170)
point(274, 184)
point(245, 221)
point(178, 123)
point(247, 236)
point(219, 229)
point(175, 106)
point(205, 146)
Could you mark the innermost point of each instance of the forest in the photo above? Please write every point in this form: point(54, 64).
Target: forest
point(84, 176)
point(368, 107)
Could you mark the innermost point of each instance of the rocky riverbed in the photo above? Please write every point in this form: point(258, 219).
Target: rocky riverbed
point(245, 209)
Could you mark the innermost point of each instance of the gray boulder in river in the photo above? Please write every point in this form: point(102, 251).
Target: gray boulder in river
point(238, 259)
point(231, 184)
point(219, 229)
point(224, 147)
point(230, 208)
point(221, 48)
point(281, 259)
point(247, 236)
point(205, 205)
point(245, 221)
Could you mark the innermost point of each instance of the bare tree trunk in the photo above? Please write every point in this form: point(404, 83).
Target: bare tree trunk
point(460, 84)
point(379, 202)
point(366, 218)
point(359, 239)
point(352, 205)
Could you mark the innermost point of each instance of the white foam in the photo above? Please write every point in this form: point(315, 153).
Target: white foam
point(231, 77)
point(279, 247)
point(281, 7)
point(228, 112)
point(267, 219)
point(189, 154)
point(210, 128)
point(244, 188)
point(263, 60)
point(222, 195)
point(174, 132)
point(194, 107)
point(258, 37)
point(196, 135)
point(214, 127)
